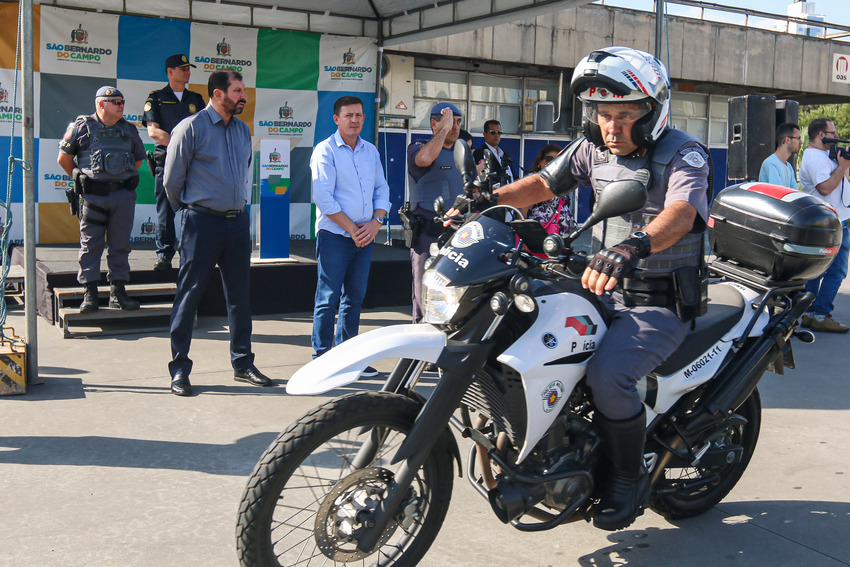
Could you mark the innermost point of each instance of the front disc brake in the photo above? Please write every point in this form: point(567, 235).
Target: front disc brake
point(346, 512)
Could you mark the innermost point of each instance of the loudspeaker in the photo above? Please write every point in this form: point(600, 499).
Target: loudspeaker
point(752, 128)
point(787, 111)
point(544, 116)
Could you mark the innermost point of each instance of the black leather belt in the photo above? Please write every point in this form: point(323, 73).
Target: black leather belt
point(231, 214)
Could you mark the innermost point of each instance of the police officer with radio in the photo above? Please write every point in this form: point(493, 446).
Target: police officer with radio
point(102, 154)
point(164, 109)
point(625, 94)
point(432, 173)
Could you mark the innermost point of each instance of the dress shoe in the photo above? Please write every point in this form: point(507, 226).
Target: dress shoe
point(252, 376)
point(180, 385)
point(162, 265)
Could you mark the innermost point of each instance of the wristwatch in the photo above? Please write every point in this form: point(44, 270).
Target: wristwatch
point(379, 219)
point(645, 245)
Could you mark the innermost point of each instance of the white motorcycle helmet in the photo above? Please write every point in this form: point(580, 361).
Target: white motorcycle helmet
point(624, 75)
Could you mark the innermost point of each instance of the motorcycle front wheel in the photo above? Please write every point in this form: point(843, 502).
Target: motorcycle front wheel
point(310, 494)
point(711, 484)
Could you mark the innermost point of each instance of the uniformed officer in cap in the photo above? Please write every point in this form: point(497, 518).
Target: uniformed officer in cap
point(164, 109)
point(102, 154)
point(432, 173)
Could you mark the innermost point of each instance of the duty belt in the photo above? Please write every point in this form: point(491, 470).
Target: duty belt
point(231, 214)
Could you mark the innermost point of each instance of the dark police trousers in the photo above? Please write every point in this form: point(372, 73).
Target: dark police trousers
point(106, 216)
point(208, 240)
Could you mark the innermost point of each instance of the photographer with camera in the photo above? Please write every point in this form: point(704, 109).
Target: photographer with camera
point(823, 172)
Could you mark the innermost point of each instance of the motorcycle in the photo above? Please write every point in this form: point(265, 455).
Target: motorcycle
point(368, 477)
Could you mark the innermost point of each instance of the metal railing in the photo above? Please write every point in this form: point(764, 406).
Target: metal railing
point(825, 30)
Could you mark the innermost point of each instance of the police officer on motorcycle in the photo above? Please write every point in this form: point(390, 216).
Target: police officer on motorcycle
point(651, 261)
point(102, 154)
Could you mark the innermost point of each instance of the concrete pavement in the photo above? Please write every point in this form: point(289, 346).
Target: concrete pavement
point(102, 466)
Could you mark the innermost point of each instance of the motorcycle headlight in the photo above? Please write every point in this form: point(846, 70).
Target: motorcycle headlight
point(440, 302)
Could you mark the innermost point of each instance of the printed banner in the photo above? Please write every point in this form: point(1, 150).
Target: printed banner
point(11, 107)
point(292, 79)
point(78, 43)
point(286, 114)
point(217, 48)
point(347, 64)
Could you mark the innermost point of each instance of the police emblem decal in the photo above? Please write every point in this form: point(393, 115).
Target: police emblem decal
point(468, 235)
point(553, 394)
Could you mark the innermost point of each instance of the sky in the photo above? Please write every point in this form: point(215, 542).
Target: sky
point(835, 11)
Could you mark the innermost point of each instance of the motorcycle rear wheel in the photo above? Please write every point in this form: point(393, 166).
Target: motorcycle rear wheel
point(303, 503)
point(690, 503)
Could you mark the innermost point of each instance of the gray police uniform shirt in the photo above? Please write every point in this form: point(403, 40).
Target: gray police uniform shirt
point(87, 133)
point(208, 162)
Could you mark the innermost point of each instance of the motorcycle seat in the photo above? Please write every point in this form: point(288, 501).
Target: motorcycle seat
point(725, 308)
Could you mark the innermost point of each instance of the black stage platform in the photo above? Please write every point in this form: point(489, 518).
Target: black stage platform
point(285, 287)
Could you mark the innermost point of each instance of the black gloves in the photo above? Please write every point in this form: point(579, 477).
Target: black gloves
point(620, 260)
point(480, 203)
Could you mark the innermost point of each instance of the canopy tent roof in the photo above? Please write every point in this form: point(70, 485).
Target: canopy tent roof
point(392, 21)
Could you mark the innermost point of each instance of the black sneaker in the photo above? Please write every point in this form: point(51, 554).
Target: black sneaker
point(162, 265)
point(369, 372)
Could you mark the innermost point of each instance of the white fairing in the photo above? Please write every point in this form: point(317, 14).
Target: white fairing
point(672, 387)
point(567, 326)
point(343, 364)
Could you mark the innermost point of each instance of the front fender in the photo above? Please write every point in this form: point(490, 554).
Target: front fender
point(343, 364)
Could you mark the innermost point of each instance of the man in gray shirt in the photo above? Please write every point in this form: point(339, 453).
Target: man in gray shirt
point(207, 169)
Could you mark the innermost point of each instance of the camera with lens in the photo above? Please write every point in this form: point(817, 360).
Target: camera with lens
point(836, 150)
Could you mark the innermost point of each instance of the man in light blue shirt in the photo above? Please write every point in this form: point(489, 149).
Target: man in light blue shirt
point(352, 198)
point(777, 168)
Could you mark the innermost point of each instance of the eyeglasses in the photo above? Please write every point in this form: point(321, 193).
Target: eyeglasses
point(795, 137)
point(547, 159)
point(116, 102)
point(495, 132)
point(833, 133)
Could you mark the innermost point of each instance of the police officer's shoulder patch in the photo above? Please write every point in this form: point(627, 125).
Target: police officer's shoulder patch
point(695, 157)
point(69, 132)
point(148, 106)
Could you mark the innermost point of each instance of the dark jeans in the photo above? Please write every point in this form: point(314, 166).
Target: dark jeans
point(208, 240)
point(343, 275)
point(825, 287)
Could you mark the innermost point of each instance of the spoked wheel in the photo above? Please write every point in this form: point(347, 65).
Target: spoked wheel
point(698, 489)
point(310, 496)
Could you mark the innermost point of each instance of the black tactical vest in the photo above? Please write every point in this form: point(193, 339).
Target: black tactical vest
point(109, 153)
point(688, 250)
point(441, 180)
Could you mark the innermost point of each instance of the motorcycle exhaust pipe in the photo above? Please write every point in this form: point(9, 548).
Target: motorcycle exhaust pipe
point(739, 380)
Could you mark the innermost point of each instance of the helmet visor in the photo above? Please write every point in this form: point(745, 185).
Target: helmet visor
point(623, 112)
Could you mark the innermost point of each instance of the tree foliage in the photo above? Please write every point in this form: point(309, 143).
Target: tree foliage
point(838, 113)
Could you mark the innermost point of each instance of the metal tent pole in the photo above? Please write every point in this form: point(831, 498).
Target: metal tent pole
point(28, 145)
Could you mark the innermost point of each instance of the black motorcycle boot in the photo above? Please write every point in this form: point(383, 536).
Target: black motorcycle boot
point(628, 483)
point(118, 298)
point(90, 302)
